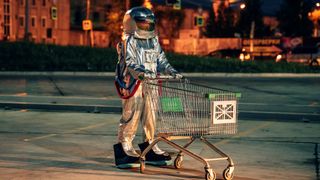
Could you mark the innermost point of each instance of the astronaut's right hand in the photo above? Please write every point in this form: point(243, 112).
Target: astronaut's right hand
point(146, 75)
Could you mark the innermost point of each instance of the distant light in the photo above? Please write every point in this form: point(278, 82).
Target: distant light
point(318, 4)
point(22, 94)
point(147, 4)
point(242, 6)
point(278, 58)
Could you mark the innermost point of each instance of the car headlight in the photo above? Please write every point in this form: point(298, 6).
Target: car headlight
point(278, 57)
point(241, 57)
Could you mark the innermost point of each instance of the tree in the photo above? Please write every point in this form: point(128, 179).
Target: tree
point(225, 22)
point(252, 13)
point(114, 22)
point(293, 18)
point(134, 3)
point(211, 24)
point(169, 21)
point(224, 25)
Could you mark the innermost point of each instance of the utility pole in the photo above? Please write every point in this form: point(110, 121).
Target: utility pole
point(252, 35)
point(91, 30)
point(26, 29)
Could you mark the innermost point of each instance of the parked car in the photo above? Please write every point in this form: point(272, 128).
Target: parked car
point(229, 54)
point(306, 55)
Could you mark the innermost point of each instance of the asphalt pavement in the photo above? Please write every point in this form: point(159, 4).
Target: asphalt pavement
point(68, 145)
point(285, 97)
point(63, 126)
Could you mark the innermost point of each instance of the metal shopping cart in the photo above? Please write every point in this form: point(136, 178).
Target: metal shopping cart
point(184, 110)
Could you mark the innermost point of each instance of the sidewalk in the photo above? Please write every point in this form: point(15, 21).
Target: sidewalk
point(65, 145)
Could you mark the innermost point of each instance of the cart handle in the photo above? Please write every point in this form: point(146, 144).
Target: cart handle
point(162, 77)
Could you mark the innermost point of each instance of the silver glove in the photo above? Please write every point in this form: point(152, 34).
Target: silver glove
point(178, 76)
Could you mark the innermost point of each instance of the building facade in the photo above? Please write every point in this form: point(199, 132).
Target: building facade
point(51, 21)
point(40, 21)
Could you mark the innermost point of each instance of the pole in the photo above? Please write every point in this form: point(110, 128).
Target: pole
point(26, 29)
point(87, 17)
point(252, 35)
point(91, 30)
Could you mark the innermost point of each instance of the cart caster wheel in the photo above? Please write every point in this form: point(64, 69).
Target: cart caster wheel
point(178, 161)
point(228, 173)
point(210, 175)
point(142, 166)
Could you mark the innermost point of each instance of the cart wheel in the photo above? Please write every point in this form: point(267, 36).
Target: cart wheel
point(178, 161)
point(142, 166)
point(210, 175)
point(228, 173)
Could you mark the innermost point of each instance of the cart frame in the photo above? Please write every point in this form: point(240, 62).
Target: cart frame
point(168, 137)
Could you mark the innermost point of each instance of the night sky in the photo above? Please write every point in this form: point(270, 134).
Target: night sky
point(270, 7)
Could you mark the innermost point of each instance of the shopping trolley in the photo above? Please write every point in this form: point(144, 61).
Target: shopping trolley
point(184, 110)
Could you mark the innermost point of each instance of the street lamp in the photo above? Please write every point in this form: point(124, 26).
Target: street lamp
point(242, 5)
point(147, 4)
point(314, 16)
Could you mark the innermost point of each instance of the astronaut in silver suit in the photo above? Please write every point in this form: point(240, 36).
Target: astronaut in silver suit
point(142, 57)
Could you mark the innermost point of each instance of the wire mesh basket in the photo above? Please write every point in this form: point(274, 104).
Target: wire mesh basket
point(182, 108)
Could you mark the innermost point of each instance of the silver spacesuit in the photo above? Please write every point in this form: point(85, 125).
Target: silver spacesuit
point(143, 58)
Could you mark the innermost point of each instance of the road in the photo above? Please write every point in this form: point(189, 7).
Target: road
point(286, 98)
point(278, 133)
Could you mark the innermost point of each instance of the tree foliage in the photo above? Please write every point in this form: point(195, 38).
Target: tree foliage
point(222, 24)
point(252, 13)
point(135, 3)
point(169, 21)
point(114, 21)
point(210, 25)
point(293, 18)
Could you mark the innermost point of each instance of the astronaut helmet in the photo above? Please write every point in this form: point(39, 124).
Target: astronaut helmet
point(140, 22)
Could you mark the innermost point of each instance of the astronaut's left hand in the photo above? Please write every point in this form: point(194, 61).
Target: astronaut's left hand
point(178, 76)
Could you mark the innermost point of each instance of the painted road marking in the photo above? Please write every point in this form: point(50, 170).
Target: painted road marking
point(67, 132)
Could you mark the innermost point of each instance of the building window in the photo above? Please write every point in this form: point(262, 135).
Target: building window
point(49, 33)
point(33, 2)
point(43, 22)
point(6, 8)
point(6, 18)
point(33, 22)
point(44, 2)
point(21, 21)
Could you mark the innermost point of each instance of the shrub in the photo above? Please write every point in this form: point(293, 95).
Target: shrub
point(25, 56)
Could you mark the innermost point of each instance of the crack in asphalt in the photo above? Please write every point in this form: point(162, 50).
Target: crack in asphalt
point(56, 86)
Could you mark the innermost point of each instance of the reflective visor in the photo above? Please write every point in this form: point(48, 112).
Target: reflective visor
point(145, 25)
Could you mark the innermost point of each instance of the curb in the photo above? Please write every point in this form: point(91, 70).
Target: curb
point(111, 74)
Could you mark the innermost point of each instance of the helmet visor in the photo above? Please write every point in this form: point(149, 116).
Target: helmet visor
point(145, 25)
